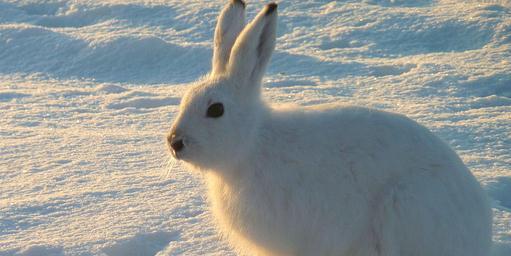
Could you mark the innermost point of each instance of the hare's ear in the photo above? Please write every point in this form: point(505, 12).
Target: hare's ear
point(229, 25)
point(253, 48)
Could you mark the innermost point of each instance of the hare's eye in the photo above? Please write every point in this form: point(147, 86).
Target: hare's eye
point(215, 110)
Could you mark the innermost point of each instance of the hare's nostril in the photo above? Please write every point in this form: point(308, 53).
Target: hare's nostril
point(177, 145)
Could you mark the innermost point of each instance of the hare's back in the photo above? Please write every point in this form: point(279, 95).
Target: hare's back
point(377, 147)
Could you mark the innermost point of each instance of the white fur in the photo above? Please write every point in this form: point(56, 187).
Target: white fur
point(321, 180)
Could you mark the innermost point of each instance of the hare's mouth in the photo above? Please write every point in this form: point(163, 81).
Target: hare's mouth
point(176, 152)
point(176, 155)
point(176, 144)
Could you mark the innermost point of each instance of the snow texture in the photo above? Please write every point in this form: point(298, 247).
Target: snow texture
point(88, 90)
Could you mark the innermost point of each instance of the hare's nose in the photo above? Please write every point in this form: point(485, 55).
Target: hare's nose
point(177, 144)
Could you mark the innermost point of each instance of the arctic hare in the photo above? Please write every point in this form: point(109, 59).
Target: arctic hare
point(319, 180)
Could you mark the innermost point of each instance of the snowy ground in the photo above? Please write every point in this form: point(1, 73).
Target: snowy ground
point(88, 90)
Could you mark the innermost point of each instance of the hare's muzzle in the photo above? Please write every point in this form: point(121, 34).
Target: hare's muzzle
point(176, 143)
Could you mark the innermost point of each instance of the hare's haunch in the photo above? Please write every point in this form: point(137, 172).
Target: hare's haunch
point(345, 181)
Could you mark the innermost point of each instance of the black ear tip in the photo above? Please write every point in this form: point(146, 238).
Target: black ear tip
point(271, 8)
point(239, 2)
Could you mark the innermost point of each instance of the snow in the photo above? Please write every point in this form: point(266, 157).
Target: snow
point(88, 90)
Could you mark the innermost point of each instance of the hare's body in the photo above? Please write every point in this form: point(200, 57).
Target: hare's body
point(342, 181)
point(371, 183)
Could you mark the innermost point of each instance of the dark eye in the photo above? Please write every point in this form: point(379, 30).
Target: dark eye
point(215, 110)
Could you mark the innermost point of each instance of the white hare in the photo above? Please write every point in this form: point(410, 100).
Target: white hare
point(320, 180)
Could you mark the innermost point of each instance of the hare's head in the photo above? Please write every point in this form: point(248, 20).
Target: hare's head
point(219, 114)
